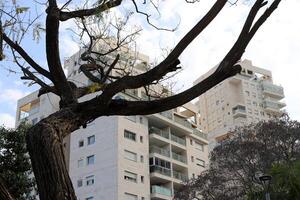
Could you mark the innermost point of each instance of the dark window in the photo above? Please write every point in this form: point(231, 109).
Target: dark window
point(130, 135)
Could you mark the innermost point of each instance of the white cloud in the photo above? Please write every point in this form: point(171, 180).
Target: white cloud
point(7, 120)
point(10, 97)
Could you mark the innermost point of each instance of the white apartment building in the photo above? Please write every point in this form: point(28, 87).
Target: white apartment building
point(250, 96)
point(127, 158)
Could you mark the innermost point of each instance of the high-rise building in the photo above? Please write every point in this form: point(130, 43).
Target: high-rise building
point(249, 96)
point(127, 157)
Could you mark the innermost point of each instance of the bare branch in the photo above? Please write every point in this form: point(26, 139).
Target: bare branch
point(26, 57)
point(88, 12)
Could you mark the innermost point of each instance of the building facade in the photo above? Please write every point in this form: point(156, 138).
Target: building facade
point(247, 97)
point(126, 157)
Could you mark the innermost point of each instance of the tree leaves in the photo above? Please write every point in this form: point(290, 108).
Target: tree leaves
point(20, 10)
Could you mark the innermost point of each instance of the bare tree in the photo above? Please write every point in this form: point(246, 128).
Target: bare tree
point(249, 152)
point(44, 139)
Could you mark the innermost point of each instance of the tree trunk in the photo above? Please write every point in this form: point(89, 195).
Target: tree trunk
point(4, 193)
point(45, 146)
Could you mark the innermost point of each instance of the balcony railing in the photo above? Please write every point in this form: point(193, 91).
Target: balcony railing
point(178, 140)
point(180, 176)
point(161, 151)
point(272, 89)
point(160, 132)
point(169, 114)
point(178, 157)
point(273, 104)
point(160, 170)
point(161, 190)
point(199, 133)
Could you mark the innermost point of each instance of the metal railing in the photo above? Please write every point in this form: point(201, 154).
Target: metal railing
point(178, 157)
point(161, 151)
point(160, 170)
point(161, 190)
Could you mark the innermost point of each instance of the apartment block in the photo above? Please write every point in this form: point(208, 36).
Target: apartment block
point(127, 157)
point(249, 96)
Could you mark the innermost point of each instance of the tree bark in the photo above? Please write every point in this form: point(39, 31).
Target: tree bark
point(45, 146)
point(4, 193)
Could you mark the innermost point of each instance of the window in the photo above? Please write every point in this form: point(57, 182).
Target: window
point(141, 139)
point(141, 120)
point(90, 180)
point(80, 163)
point(191, 141)
point(91, 140)
point(199, 146)
point(142, 158)
point(79, 183)
point(192, 158)
point(130, 196)
point(130, 176)
point(200, 162)
point(90, 160)
point(142, 179)
point(130, 135)
point(143, 198)
point(130, 155)
point(89, 198)
point(80, 143)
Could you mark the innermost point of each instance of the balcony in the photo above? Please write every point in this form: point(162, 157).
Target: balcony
point(274, 91)
point(178, 140)
point(160, 151)
point(160, 132)
point(180, 176)
point(155, 189)
point(160, 170)
point(273, 105)
point(179, 157)
point(239, 111)
point(183, 122)
point(199, 134)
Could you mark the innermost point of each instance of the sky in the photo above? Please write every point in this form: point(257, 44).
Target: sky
point(275, 47)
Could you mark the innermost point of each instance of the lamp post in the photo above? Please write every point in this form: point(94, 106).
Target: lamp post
point(265, 180)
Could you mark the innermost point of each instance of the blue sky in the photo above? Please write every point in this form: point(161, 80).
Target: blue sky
point(275, 47)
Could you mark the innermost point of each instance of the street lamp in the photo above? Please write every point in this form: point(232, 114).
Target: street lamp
point(265, 180)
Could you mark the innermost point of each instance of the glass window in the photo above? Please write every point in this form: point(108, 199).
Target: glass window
point(91, 140)
point(130, 176)
point(90, 180)
point(200, 162)
point(130, 135)
point(142, 158)
point(141, 139)
point(80, 143)
point(90, 160)
point(89, 198)
point(142, 179)
point(80, 163)
point(130, 196)
point(130, 155)
point(79, 183)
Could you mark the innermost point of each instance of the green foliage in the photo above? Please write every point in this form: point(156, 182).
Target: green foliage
point(286, 180)
point(15, 167)
point(22, 10)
